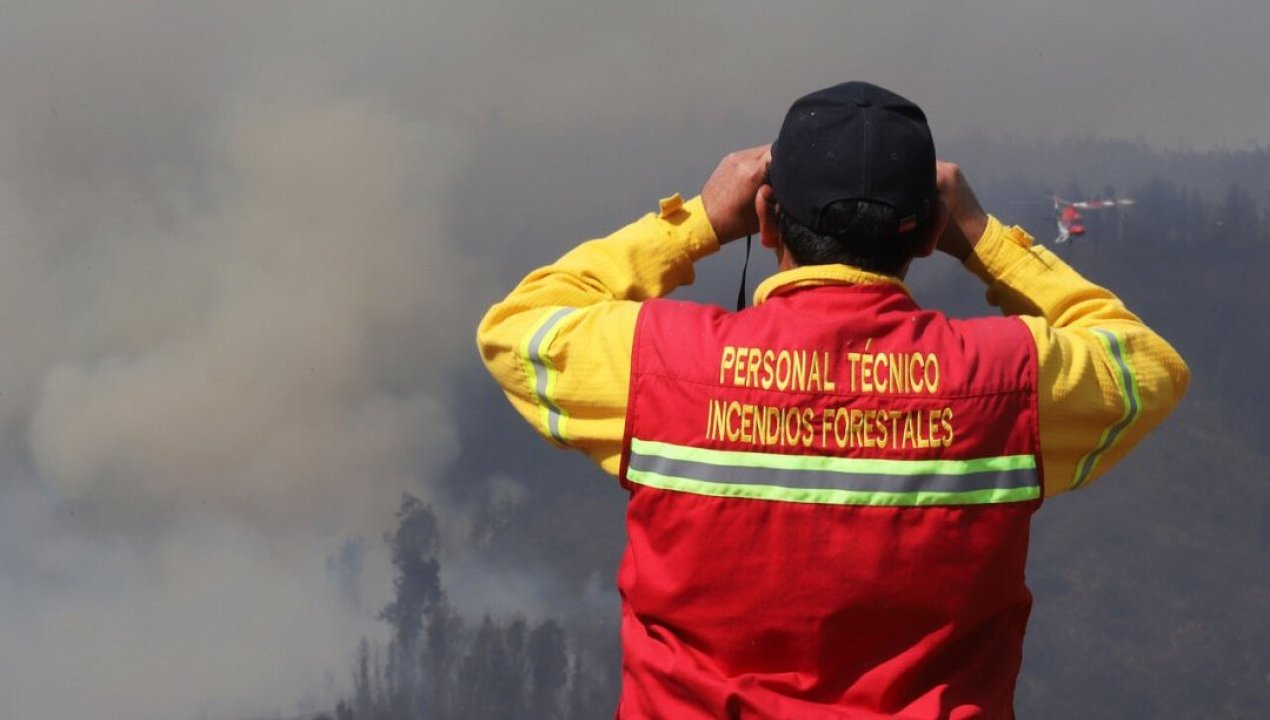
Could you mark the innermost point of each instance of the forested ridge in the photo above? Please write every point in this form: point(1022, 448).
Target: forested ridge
point(1151, 587)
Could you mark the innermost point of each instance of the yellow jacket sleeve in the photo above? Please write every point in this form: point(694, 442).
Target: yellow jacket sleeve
point(560, 344)
point(1105, 378)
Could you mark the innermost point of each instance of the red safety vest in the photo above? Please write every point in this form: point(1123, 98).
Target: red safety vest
point(830, 496)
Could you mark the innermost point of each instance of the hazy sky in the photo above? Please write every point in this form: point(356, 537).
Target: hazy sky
point(244, 246)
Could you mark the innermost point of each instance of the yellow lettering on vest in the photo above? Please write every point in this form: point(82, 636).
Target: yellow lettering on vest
point(783, 364)
point(799, 379)
point(792, 426)
point(946, 420)
point(747, 423)
point(769, 360)
point(880, 380)
point(808, 432)
point(773, 425)
point(733, 429)
point(712, 418)
point(830, 385)
point(726, 361)
point(908, 431)
point(870, 419)
point(914, 374)
point(813, 373)
point(888, 373)
point(857, 427)
point(751, 367)
point(883, 436)
point(895, 434)
point(839, 422)
point(899, 378)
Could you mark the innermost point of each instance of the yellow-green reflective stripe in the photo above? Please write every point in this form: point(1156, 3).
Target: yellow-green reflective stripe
point(542, 373)
point(856, 481)
point(1128, 383)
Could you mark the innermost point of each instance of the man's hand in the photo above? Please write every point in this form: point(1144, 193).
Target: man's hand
point(729, 193)
point(966, 218)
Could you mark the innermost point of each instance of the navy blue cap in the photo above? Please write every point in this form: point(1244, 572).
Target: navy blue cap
point(854, 141)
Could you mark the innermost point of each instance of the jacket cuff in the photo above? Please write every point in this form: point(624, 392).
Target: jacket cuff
point(692, 226)
point(998, 249)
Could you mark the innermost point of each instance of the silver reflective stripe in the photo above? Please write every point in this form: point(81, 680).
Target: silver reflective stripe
point(833, 480)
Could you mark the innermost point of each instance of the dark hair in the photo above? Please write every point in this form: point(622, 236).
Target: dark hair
point(857, 232)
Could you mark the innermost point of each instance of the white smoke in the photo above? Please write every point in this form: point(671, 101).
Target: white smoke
point(214, 620)
point(219, 364)
point(299, 374)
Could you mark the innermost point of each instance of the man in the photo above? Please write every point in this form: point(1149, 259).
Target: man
point(830, 491)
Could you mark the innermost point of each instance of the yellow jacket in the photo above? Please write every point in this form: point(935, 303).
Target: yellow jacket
point(560, 344)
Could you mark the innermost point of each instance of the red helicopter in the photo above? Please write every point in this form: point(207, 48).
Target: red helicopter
point(1071, 222)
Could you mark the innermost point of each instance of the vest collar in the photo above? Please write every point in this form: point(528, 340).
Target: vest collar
point(814, 275)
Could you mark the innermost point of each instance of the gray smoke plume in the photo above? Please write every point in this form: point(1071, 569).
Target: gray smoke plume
point(228, 305)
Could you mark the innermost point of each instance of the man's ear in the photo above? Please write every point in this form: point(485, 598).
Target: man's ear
point(765, 207)
point(935, 229)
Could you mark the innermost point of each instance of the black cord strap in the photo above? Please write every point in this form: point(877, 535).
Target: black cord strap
point(740, 294)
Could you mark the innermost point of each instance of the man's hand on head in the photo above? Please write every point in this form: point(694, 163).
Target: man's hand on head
point(728, 195)
point(967, 220)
